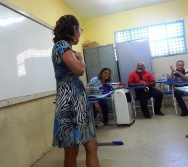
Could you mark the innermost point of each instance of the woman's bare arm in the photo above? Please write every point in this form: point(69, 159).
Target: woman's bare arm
point(76, 64)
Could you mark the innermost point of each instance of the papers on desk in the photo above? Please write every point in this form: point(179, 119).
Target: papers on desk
point(183, 89)
point(93, 92)
point(177, 82)
point(97, 97)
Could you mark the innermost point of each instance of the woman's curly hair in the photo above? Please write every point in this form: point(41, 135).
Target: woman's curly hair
point(64, 29)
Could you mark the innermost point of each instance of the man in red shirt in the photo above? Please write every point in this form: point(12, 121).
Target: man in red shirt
point(141, 77)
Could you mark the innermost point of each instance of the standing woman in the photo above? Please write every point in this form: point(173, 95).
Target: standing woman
point(72, 122)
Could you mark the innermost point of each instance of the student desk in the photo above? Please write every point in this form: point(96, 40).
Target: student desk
point(95, 99)
point(172, 84)
point(184, 90)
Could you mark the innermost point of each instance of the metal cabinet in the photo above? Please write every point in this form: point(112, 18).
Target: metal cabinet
point(98, 58)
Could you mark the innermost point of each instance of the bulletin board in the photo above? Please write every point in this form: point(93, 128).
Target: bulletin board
point(26, 69)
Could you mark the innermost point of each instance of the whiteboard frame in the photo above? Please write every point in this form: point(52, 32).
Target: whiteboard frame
point(21, 99)
point(24, 13)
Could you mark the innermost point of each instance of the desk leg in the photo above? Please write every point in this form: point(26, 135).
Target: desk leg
point(174, 99)
point(102, 143)
point(113, 108)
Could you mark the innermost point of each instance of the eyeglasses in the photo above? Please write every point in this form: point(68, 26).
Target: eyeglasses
point(80, 30)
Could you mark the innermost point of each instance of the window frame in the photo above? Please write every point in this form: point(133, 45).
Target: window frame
point(146, 29)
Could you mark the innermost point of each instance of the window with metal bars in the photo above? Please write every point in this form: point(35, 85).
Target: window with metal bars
point(166, 39)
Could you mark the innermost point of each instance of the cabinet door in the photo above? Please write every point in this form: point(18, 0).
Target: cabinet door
point(107, 59)
point(92, 62)
point(98, 58)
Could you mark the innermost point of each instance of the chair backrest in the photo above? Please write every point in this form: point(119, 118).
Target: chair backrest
point(167, 92)
point(167, 87)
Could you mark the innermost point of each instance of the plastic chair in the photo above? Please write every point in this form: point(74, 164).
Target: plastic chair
point(111, 109)
point(136, 104)
point(170, 91)
point(167, 93)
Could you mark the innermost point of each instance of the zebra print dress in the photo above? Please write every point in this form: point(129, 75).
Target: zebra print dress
point(72, 121)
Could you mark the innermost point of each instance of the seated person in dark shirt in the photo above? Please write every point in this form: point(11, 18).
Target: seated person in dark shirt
point(180, 74)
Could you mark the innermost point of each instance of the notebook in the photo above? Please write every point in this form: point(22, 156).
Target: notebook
point(93, 92)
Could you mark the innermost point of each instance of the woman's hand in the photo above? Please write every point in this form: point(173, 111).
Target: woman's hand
point(78, 56)
point(142, 83)
point(87, 87)
point(74, 61)
point(175, 71)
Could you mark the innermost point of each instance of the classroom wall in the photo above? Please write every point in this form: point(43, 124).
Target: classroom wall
point(25, 132)
point(102, 29)
point(26, 128)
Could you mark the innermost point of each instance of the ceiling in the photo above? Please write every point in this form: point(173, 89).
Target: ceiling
point(87, 9)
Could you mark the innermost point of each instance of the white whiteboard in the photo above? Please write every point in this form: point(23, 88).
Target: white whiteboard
point(25, 56)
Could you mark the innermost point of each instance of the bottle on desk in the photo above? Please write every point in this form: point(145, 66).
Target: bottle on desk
point(166, 76)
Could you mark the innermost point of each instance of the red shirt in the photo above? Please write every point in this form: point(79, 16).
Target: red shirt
point(146, 76)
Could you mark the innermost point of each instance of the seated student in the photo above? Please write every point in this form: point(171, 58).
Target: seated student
point(180, 74)
point(102, 82)
point(141, 77)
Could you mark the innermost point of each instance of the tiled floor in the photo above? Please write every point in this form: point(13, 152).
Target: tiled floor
point(156, 142)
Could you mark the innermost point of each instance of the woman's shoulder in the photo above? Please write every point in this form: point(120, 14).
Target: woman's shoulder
point(95, 81)
point(95, 78)
point(62, 43)
point(61, 46)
